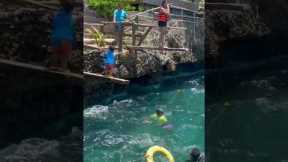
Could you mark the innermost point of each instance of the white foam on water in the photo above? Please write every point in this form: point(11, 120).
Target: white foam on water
point(193, 82)
point(96, 111)
point(122, 103)
point(197, 91)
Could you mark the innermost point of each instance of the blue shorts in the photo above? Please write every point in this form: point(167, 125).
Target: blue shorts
point(119, 27)
point(162, 24)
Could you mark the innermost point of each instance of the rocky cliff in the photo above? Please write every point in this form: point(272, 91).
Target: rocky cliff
point(144, 62)
point(260, 19)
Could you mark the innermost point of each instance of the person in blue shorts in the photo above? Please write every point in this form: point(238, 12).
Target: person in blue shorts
point(63, 36)
point(109, 60)
point(119, 18)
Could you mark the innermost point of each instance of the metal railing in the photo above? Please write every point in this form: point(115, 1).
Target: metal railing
point(192, 22)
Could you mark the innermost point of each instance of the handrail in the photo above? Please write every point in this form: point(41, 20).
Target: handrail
point(181, 8)
point(144, 25)
point(174, 15)
point(141, 13)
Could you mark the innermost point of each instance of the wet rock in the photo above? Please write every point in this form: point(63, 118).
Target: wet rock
point(27, 34)
point(222, 26)
point(66, 149)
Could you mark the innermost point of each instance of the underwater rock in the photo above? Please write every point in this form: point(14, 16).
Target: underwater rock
point(66, 149)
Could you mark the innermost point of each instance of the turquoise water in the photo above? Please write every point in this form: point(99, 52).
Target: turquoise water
point(116, 131)
point(254, 127)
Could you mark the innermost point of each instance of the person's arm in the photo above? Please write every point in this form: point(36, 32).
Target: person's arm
point(168, 9)
point(114, 16)
point(149, 118)
point(125, 15)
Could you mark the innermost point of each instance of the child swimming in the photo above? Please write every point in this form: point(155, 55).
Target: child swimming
point(161, 119)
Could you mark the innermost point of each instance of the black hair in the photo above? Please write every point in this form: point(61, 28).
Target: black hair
point(158, 111)
point(195, 154)
point(111, 48)
point(163, 3)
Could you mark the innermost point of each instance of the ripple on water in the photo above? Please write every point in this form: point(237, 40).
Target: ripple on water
point(124, 137)
point(96, 111)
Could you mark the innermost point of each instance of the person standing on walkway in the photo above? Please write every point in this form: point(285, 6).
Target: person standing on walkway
point(119, 18)
point(109, 60)
point(63, 36)
point(163, 17)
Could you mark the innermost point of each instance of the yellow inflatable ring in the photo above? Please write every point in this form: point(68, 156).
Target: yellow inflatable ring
point(158, 149)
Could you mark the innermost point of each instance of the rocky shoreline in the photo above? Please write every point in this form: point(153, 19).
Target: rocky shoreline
point(144, 62)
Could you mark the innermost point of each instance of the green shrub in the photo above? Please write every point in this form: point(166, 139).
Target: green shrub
point(105, 8)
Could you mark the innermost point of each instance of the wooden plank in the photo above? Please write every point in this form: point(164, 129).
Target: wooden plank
point(93, 24)
point(133, 35)
point(155, 26)
point(39, 68)
point(145, 25)
point(89, 40)
point(97, 47)
point(109, 40)
point(91, 46)
point(157, 48)
point(111, 78)
point(144, 36)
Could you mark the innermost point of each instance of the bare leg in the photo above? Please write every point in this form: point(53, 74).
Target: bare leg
point(161, 39)
point(65, 55)
point(53, 60)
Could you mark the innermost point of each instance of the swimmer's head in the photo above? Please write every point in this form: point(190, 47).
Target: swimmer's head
point(159, 112)
point(195, 154)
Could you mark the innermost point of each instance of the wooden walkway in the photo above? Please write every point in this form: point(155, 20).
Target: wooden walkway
point(137, 37)
point(157, 48)
point(48, 4)
point(111, 78)
point(39, 68)
point(43, 69)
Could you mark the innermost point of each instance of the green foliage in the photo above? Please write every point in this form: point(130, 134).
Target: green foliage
point(99, 38)
point(105, 8)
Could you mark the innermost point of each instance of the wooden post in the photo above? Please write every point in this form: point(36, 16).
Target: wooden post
point(133, 37)
point(133, 34)
point(137, 21)
point(102, 28)
point(144, 36)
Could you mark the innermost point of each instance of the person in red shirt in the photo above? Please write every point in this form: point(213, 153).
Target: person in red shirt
point(163, 17)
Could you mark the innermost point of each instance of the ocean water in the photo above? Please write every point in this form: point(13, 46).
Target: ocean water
point(115, 131)
point(253, 127)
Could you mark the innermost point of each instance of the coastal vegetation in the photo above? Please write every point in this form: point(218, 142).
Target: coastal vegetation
point(105, 8)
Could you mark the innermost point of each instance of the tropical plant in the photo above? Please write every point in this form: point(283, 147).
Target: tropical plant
point(99, 38)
